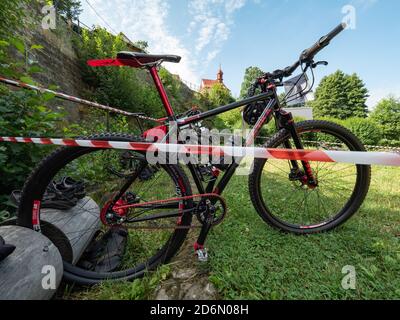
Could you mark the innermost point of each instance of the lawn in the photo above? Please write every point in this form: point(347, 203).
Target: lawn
point(250, 260)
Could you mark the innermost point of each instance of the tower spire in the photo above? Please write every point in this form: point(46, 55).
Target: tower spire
point(220, 75)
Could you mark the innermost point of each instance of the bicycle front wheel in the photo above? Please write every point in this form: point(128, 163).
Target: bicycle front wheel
point(74, 188)
point(283, 199)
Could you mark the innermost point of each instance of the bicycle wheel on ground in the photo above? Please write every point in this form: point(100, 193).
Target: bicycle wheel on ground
point(285, 201)
point(125, 242)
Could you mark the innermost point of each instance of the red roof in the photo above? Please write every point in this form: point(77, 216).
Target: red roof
point(207, 83)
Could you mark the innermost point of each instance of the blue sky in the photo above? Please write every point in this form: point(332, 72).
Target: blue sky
point(264, 33)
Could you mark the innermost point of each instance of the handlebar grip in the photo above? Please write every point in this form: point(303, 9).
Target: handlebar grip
point(336, 31)
point(322, 43)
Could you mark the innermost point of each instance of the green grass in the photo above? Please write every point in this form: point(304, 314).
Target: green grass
point(250, 260)
point(139, 289)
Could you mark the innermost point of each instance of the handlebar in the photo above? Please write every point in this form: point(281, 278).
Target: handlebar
point(308, 54)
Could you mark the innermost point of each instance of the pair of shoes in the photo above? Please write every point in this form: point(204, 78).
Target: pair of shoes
point(69, 188)
point(61, 195)
point(5, 249)
point(64, 194)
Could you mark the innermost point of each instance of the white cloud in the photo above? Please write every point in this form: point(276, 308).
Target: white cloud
point(377, 94)
point(148, 20)
point(364, 4)
point(213, 20)
point(211, 55)
point(210, 24)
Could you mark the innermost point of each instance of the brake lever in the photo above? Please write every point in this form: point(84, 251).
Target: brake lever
point(316, 64)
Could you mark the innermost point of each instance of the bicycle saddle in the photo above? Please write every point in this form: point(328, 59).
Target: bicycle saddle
point(144, 58)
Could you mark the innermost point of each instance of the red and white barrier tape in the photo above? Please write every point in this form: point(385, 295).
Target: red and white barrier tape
point(366, 158)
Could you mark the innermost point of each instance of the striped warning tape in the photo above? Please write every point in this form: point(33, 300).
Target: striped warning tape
point(354, 157)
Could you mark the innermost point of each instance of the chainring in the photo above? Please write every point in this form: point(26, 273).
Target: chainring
point(206, 207)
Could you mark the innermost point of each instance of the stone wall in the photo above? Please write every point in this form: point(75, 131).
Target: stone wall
point(60, 65)
point(58, 60)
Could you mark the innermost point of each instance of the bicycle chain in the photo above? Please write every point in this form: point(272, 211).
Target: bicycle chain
point(177, 227)
point(165, 228)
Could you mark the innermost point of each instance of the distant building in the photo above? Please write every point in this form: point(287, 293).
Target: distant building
point(208, 83)
point(303, 112)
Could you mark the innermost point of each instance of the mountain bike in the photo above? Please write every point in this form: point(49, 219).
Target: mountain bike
point(155, 203)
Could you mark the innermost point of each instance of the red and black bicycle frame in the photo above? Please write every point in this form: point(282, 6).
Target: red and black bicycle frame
point(273, 109)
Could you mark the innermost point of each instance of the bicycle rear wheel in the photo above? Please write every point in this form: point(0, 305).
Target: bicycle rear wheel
point(284, 200)
point(125, 242)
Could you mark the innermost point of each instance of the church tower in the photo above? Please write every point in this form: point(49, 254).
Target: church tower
point(220, 75)
point(208, 83)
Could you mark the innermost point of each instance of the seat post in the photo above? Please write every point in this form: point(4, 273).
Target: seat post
point(161, 91)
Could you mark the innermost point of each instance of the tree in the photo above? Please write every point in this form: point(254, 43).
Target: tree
point(171, 84)
point(218, 95)
point(22, 112)
point(115, 86)
point(387, 115)
point(341, 96)
point(250, 75)
point(71, 9)
point(141, 44)
point(213, 97)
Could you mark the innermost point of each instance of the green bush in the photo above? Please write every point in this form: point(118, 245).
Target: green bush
point(11, 16)
point(364, 128)
point(389, 143)
point(387, 115)
point(22, 113)
point(230, 120)
point(95, 121)
point(126, 88)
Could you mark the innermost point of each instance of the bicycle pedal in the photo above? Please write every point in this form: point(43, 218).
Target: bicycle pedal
point(202, 255)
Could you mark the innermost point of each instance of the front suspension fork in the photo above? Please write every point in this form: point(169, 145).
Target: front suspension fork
point(286, 121)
